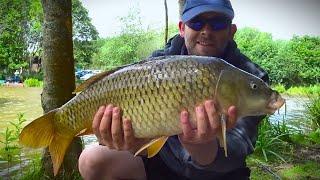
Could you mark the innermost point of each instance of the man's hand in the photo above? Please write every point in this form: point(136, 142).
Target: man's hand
point(113, 131)
point(201, 143)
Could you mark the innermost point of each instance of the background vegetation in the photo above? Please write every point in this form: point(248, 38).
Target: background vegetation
point(21, 35)
point(294, 62)
point(288, 62)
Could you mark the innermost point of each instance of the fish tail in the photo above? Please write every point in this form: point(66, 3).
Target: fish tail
point(39, 133)
point(58, 148)
point(42, 133)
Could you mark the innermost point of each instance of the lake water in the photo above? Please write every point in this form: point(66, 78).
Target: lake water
point(293, 113)
point(25, 100)
point(15, 100)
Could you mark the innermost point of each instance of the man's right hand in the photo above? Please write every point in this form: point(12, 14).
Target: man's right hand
point(115, 132)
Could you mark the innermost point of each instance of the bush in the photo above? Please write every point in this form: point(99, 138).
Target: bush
point(294, 62)
point(2, 76)
point(34, 75)
point(313, 90)
point(33, 83)
point(280, 88)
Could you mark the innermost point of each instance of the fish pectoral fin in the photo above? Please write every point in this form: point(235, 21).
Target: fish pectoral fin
point(153, 147)
point(223, 132)
point(58, 148)
point(220, 139)
point(86, 131)
point(156, 146)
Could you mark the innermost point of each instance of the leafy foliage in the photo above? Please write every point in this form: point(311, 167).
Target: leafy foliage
point(293, 62)
point(30, 82)
point(14, 16)
point(11, 151)
point(312, 90)
point(21, 34)
point(84, 35)
point(132, 44)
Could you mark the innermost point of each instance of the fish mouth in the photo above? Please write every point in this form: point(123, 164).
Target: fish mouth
point(275, 103)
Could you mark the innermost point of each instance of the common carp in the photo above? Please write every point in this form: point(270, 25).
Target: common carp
point(152, 93)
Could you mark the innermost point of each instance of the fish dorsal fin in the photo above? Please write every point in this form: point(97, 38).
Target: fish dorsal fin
point(153, 147)
point(99, 76)
point(92, 80)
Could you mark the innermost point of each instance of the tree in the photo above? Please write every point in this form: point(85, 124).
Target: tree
point(59, 79)
point(12, 33)
point(84, 35)
point(181, 3)
point(306, 50)
point(34, 28)
point(167, 26)
point(21, 26)
point(127, 47)
point(288, 62)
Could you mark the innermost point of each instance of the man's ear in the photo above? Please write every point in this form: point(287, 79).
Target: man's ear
point(233, 30)
point(181, 28)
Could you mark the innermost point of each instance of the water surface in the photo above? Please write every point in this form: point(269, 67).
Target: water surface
point(14, 100)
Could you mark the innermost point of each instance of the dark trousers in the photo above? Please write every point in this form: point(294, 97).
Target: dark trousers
point(156, 169)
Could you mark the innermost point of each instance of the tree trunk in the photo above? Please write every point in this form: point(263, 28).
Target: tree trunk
point(59, 78)
point(181, 3)
point(166, 30)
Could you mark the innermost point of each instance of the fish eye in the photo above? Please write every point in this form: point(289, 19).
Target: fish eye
point(253, 85)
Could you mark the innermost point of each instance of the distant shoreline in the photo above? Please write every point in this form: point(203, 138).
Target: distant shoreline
point(13, 84)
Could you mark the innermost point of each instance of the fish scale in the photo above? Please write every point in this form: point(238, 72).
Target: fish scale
point(155, 88)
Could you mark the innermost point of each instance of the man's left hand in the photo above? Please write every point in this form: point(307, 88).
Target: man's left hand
point(201, 143)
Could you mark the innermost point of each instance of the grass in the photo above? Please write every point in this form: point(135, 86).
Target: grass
point(284, 153)
point(33, 170)
point(311, 90)
point(301, 170)
point(307, 170)
point(313, 111)
point(259, 170)
point(273, 141)
point(12, 153)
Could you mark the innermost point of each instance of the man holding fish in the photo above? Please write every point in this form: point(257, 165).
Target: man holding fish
point(206, 29)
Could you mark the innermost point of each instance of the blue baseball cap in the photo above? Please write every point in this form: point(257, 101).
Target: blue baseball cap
point(193, 8)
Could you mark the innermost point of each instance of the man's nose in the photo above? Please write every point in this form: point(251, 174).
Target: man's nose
point(206, 28)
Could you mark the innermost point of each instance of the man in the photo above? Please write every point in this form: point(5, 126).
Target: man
point(205, 29)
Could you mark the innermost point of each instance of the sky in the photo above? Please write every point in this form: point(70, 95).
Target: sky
point(282, 18)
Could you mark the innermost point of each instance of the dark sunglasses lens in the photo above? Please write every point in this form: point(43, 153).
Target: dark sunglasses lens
point(218, 25)
point(195, 25)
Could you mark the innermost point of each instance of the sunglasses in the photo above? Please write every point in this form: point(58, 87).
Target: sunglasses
point(216, 24)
